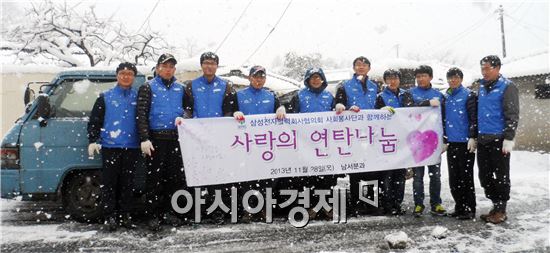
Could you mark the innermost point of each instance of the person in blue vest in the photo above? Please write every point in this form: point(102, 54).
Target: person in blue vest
point(498, 116)
point(359, 92)
point(210, 96)
point(160, 102)
point(253, 100)
point(313, 98)
point(461, 132)
point(424, 95)
point(112, 132)
point(355, 94)
point(393, 185)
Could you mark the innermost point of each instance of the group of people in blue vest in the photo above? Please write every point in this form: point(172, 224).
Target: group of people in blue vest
point(126, 124)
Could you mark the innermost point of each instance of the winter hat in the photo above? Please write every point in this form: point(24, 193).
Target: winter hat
point(165, 58)
point(257, 71)
point(127, 66)
point(210, 56)
point(311, 72)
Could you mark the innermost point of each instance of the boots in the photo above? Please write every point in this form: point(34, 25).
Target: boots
point(484, 217)
point(497, 217)
point(154, 224)
point(497, 214)
point(127, 221)
point(111, 224)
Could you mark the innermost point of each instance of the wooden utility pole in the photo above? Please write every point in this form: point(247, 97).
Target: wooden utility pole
point(501, 15)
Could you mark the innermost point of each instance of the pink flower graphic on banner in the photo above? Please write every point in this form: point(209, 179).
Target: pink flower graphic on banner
point(422, 144)
point(417, 117)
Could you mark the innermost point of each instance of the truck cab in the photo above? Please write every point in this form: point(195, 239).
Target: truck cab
point(44, 154)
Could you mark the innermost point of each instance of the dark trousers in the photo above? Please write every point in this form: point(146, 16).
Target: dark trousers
point(461, 176)
point(164, 176)
point(394, 188)
point(354, 180)
point(494, 170)
point(117, 179)
point(435, 185)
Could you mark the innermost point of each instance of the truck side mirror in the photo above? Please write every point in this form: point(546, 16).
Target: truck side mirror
point(29, 95)
point(43, 110)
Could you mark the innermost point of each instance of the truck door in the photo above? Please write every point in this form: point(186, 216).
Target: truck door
point(60, 143)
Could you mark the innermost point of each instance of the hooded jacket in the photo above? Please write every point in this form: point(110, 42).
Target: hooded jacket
point(311, 99)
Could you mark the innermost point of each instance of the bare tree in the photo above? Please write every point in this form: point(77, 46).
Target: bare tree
point(191, 48)
point(141, 48)
point(59, 32)
point(295, 65)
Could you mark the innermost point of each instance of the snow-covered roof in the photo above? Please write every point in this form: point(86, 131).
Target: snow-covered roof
point(38, 68)
point(336, 75)
point(439, 70)
point(534, 63)
point(439, 80)
point(189, 64)
point(277, 83)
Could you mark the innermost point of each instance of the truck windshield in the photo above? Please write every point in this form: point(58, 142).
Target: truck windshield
point(75, 98)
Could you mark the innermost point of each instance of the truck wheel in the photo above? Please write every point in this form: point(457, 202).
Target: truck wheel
point(81, 192)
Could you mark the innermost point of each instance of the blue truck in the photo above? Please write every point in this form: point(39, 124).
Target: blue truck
point(44, 155)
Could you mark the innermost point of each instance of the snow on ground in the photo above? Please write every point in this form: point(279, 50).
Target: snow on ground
point(42, 226)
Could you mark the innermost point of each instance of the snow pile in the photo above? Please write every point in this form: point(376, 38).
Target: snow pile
point(440, 232)
point(37, 145)
point(43, 233)
point(397, 240)
point(81, 86)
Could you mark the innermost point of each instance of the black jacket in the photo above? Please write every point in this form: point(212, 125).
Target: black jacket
point(510, 110)
point(405, 96)
point(143, 109)
point(97, 118)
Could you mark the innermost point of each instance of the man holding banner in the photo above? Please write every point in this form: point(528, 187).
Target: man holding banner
point(424, 95)
point(313, 98)
point(159, 103)
point(355, 94)
point(394, 180)
point(210, 97)
point(253, 100)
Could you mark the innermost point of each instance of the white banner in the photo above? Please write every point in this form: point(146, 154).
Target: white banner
point(222, 150)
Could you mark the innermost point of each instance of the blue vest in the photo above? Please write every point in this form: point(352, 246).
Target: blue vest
point(166, 105)
point(421, 94)
point(356, 95)
point(253, 101)
point(119, 125)
point(208, 97)
point(456, 115)
point(315, 102)
point(390, 99)
point(490, 115)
